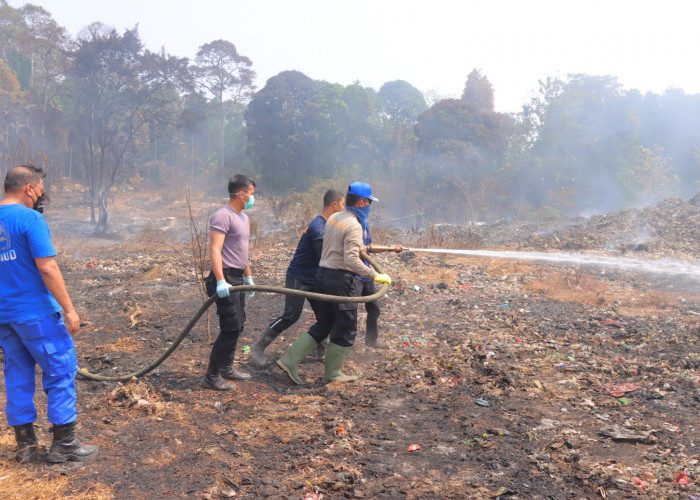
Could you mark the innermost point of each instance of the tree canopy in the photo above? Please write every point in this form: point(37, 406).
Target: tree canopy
point(102, 110)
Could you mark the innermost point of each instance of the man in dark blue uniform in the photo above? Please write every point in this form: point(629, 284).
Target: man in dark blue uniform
point(37, 319)
point(301, 273)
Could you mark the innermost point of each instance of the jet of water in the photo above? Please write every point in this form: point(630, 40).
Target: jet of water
point(660, 266)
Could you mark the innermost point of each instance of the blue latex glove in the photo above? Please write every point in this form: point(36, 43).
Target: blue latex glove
point(222, 289)
point(248, 280)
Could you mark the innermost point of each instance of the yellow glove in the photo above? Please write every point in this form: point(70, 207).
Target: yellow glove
point(383, 278)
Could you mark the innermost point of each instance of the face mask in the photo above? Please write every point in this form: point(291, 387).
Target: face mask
point(362, 213)
point(38, 204)
point(249, 204)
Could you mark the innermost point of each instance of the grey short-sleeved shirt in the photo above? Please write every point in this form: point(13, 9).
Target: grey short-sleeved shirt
point(236, 227)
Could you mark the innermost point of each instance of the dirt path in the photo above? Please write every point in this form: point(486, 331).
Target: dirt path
point(513, 380)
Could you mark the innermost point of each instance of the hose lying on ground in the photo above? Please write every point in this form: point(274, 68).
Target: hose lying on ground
point(241, 288)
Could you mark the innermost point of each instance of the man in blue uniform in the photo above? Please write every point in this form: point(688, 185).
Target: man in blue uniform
point(37, 319)
point(301, 274)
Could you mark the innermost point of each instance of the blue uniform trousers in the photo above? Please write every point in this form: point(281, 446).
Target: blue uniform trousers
point(47, 343)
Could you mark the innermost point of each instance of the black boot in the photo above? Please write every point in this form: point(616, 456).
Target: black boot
point(230, 373)
point(67, 448)
point(26, 443)
point(258, 350)
point(212, 380)
point(372, 334)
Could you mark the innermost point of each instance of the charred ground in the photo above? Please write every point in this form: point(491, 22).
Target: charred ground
point(524, 380)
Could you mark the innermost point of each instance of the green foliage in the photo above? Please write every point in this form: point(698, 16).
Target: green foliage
point(462, 149)
point(402, 101)
point(104, 107)
point(478, 92)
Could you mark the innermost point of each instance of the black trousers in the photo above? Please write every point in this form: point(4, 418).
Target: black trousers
point(373, 312)
point(293, 305)
point(231, 311)
point(337, 320)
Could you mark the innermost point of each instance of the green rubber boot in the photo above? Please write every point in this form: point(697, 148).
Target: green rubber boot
point(295, 355)
point(335, 357)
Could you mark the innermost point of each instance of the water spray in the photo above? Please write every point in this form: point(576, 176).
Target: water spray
point(658, 266)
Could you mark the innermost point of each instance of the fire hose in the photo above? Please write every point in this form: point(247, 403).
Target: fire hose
point(246, 288)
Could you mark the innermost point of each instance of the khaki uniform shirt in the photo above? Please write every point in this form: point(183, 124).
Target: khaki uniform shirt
point(342, 242)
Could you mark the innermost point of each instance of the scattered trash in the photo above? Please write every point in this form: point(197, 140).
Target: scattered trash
point(502, 491)
point(615, 323)
point(481, 402)
point(413, 447)
point(619, 433)
point(497, 431)
point(643, 485)
point(617, 391)
point(245, 348)
point(681, 478)
point(470, 442)
point(546, 424)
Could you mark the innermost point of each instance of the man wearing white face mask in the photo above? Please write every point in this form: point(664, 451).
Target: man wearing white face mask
point(229, 235)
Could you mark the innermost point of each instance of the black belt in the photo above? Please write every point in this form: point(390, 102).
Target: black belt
point(338, 271)
point(233, 271)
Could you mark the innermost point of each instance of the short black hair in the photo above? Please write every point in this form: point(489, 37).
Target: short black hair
point(21, 175)
point(239, 183)
point(351, 200)
point(331, 196)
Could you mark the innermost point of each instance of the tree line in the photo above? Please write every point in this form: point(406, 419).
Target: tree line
point(103, 111)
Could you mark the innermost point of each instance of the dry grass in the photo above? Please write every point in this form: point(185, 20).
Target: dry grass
point(23, 482)
point(450, 237)
point(141, 397)
point(571, 287)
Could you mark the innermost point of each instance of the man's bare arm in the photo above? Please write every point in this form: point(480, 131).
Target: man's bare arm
point(53, 279)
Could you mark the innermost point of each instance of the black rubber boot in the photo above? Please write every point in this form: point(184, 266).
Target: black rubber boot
point(372, 334)
point(258, 350)
point(67, 448)
point(213, 380)
point(230, 373)
point(26, 443)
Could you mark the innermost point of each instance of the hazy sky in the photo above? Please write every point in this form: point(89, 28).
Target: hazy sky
point(432, 44)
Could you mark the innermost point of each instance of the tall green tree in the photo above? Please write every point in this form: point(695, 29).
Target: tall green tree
point(401, 103)
point(12, 27)
point(283, 124)
point(225, 74)
point(587, 135)
point(45, 44)
point(462, 146)
point(478, 92)
point(118, 91)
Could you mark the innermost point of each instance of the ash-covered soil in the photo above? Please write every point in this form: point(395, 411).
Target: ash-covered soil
point(505, 378)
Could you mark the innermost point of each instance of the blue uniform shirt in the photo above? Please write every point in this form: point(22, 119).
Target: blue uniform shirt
point(304, 264)
point(24, 236)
